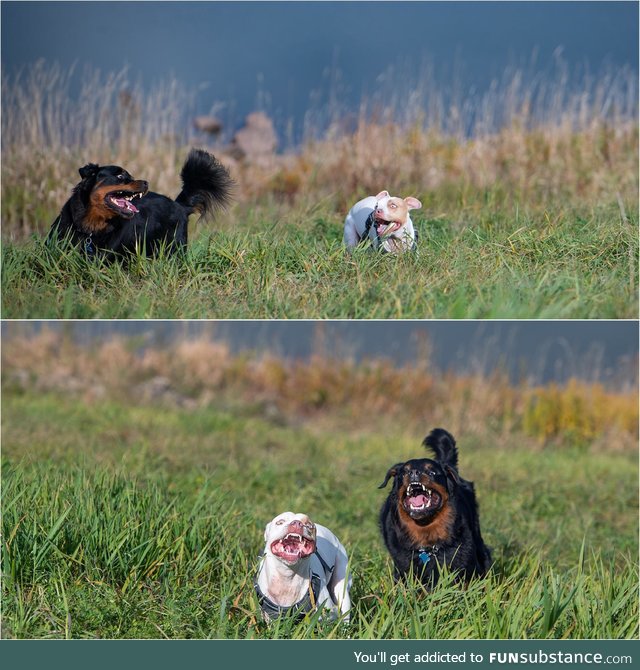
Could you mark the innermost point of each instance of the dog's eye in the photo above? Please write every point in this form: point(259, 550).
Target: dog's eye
point(392, 205)
point(121, 177)
point(279, 522)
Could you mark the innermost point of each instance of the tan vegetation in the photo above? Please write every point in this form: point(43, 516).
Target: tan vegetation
point(356, 396)
point(528, 148)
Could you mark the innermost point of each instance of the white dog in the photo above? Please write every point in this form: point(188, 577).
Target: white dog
point(303, 568)
point(385, 220)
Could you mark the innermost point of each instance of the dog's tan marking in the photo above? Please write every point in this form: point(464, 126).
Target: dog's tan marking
point(437, 530)
point(397, 210)
point(98, 212)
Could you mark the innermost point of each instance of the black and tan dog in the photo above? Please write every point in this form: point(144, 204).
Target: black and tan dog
point(430, 518)
point(110, 212)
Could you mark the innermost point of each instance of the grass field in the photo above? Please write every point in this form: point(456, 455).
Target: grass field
point(125, 516)
point(536, 217)
point(491, 265)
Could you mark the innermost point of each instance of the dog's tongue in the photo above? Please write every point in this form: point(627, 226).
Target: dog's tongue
point(292, 546)
point(123, 203)
point(418, 501)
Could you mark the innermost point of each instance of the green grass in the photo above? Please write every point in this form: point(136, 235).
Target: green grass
point(120, 520)
point(480, 263)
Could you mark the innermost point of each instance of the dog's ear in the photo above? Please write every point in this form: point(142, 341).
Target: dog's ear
point(413, 203)
point(453, 478)
point(391, 472)
point(89, 171)
point(382, 194)
point(266, 531)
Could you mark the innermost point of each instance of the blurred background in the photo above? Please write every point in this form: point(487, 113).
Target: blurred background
point(538, 352)
point(303, 63)
point(548, 382)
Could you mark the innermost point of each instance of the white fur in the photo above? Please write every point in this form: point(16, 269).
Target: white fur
point(399, 240)
point(286, 584)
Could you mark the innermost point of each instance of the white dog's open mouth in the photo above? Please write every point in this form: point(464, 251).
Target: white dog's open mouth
point(293, 547)
point(386, 227)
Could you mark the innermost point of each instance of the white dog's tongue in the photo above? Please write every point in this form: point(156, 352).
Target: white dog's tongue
point(292, 546)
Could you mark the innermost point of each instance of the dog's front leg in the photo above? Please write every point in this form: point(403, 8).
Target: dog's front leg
point(343, 600)
point(340, 585)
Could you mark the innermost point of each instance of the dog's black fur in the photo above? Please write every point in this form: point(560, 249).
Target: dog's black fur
point(447, 531)
point(110, 213)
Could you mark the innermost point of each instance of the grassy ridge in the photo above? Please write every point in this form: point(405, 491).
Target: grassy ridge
point(123, 521)
point(574, 263)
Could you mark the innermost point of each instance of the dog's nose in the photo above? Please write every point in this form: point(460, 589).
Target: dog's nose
point(414, 476)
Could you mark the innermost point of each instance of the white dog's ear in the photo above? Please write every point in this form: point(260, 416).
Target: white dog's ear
point(266, 531)
point(382, 194)
point(413, 203)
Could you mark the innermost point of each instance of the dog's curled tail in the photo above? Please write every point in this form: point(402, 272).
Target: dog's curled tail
point(206, 183)
point(443, 445)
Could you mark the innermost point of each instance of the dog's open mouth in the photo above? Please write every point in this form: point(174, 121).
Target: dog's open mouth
point(386, 227)
point(293, 547)
point(121, 202)
point(419, 499)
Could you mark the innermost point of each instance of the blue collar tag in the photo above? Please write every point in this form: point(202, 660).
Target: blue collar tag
point(89, 247)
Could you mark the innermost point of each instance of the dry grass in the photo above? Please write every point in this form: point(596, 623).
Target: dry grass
point(524, 144)
point(48, 133)
point(202, 373)
point(531, 167)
